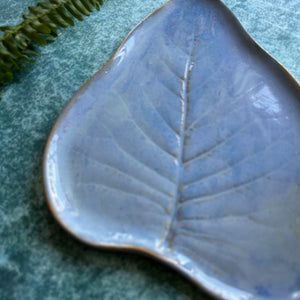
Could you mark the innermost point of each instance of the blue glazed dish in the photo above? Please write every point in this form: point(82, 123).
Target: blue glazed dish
point(186, 147)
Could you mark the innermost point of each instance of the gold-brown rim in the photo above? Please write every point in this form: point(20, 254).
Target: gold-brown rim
point(73, 100)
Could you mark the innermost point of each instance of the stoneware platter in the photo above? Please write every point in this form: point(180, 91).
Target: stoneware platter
point(186, 147)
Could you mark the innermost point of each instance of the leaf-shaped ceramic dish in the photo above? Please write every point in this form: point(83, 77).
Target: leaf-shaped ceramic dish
point(186, 147)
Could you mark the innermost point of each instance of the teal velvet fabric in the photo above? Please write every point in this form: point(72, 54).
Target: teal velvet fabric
point(39, 260)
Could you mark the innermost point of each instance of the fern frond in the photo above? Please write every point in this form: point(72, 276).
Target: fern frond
point(39, 27)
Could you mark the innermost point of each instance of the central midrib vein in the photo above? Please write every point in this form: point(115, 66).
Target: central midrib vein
point(184, 96)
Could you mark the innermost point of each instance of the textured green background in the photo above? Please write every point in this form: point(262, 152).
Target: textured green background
point(38, 260)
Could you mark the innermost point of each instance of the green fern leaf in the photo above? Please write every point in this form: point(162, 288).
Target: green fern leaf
point(88, 5)
point(50, 24)
point(6, 77)
point(5, 65)
point(5, 53)
point(95, 4)
point(39, 27)
point(30, 52)
point(33, 35)
point(80, 7)
point(11, 45)
point(73, 10)
point(59, 20)
point(21, 40)
point(64, 15)
point(7, 28)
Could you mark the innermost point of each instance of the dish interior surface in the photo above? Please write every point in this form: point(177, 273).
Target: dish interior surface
point(186, 146)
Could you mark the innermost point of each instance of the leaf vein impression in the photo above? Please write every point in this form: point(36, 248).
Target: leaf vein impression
point(145, 133)
point(184, 202)
point(185, 100)
point(230, 166)
point(119, 171)
point(104, 187)
point(134, 157)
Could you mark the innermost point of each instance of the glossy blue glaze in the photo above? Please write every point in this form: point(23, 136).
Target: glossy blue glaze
point(186, 146)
